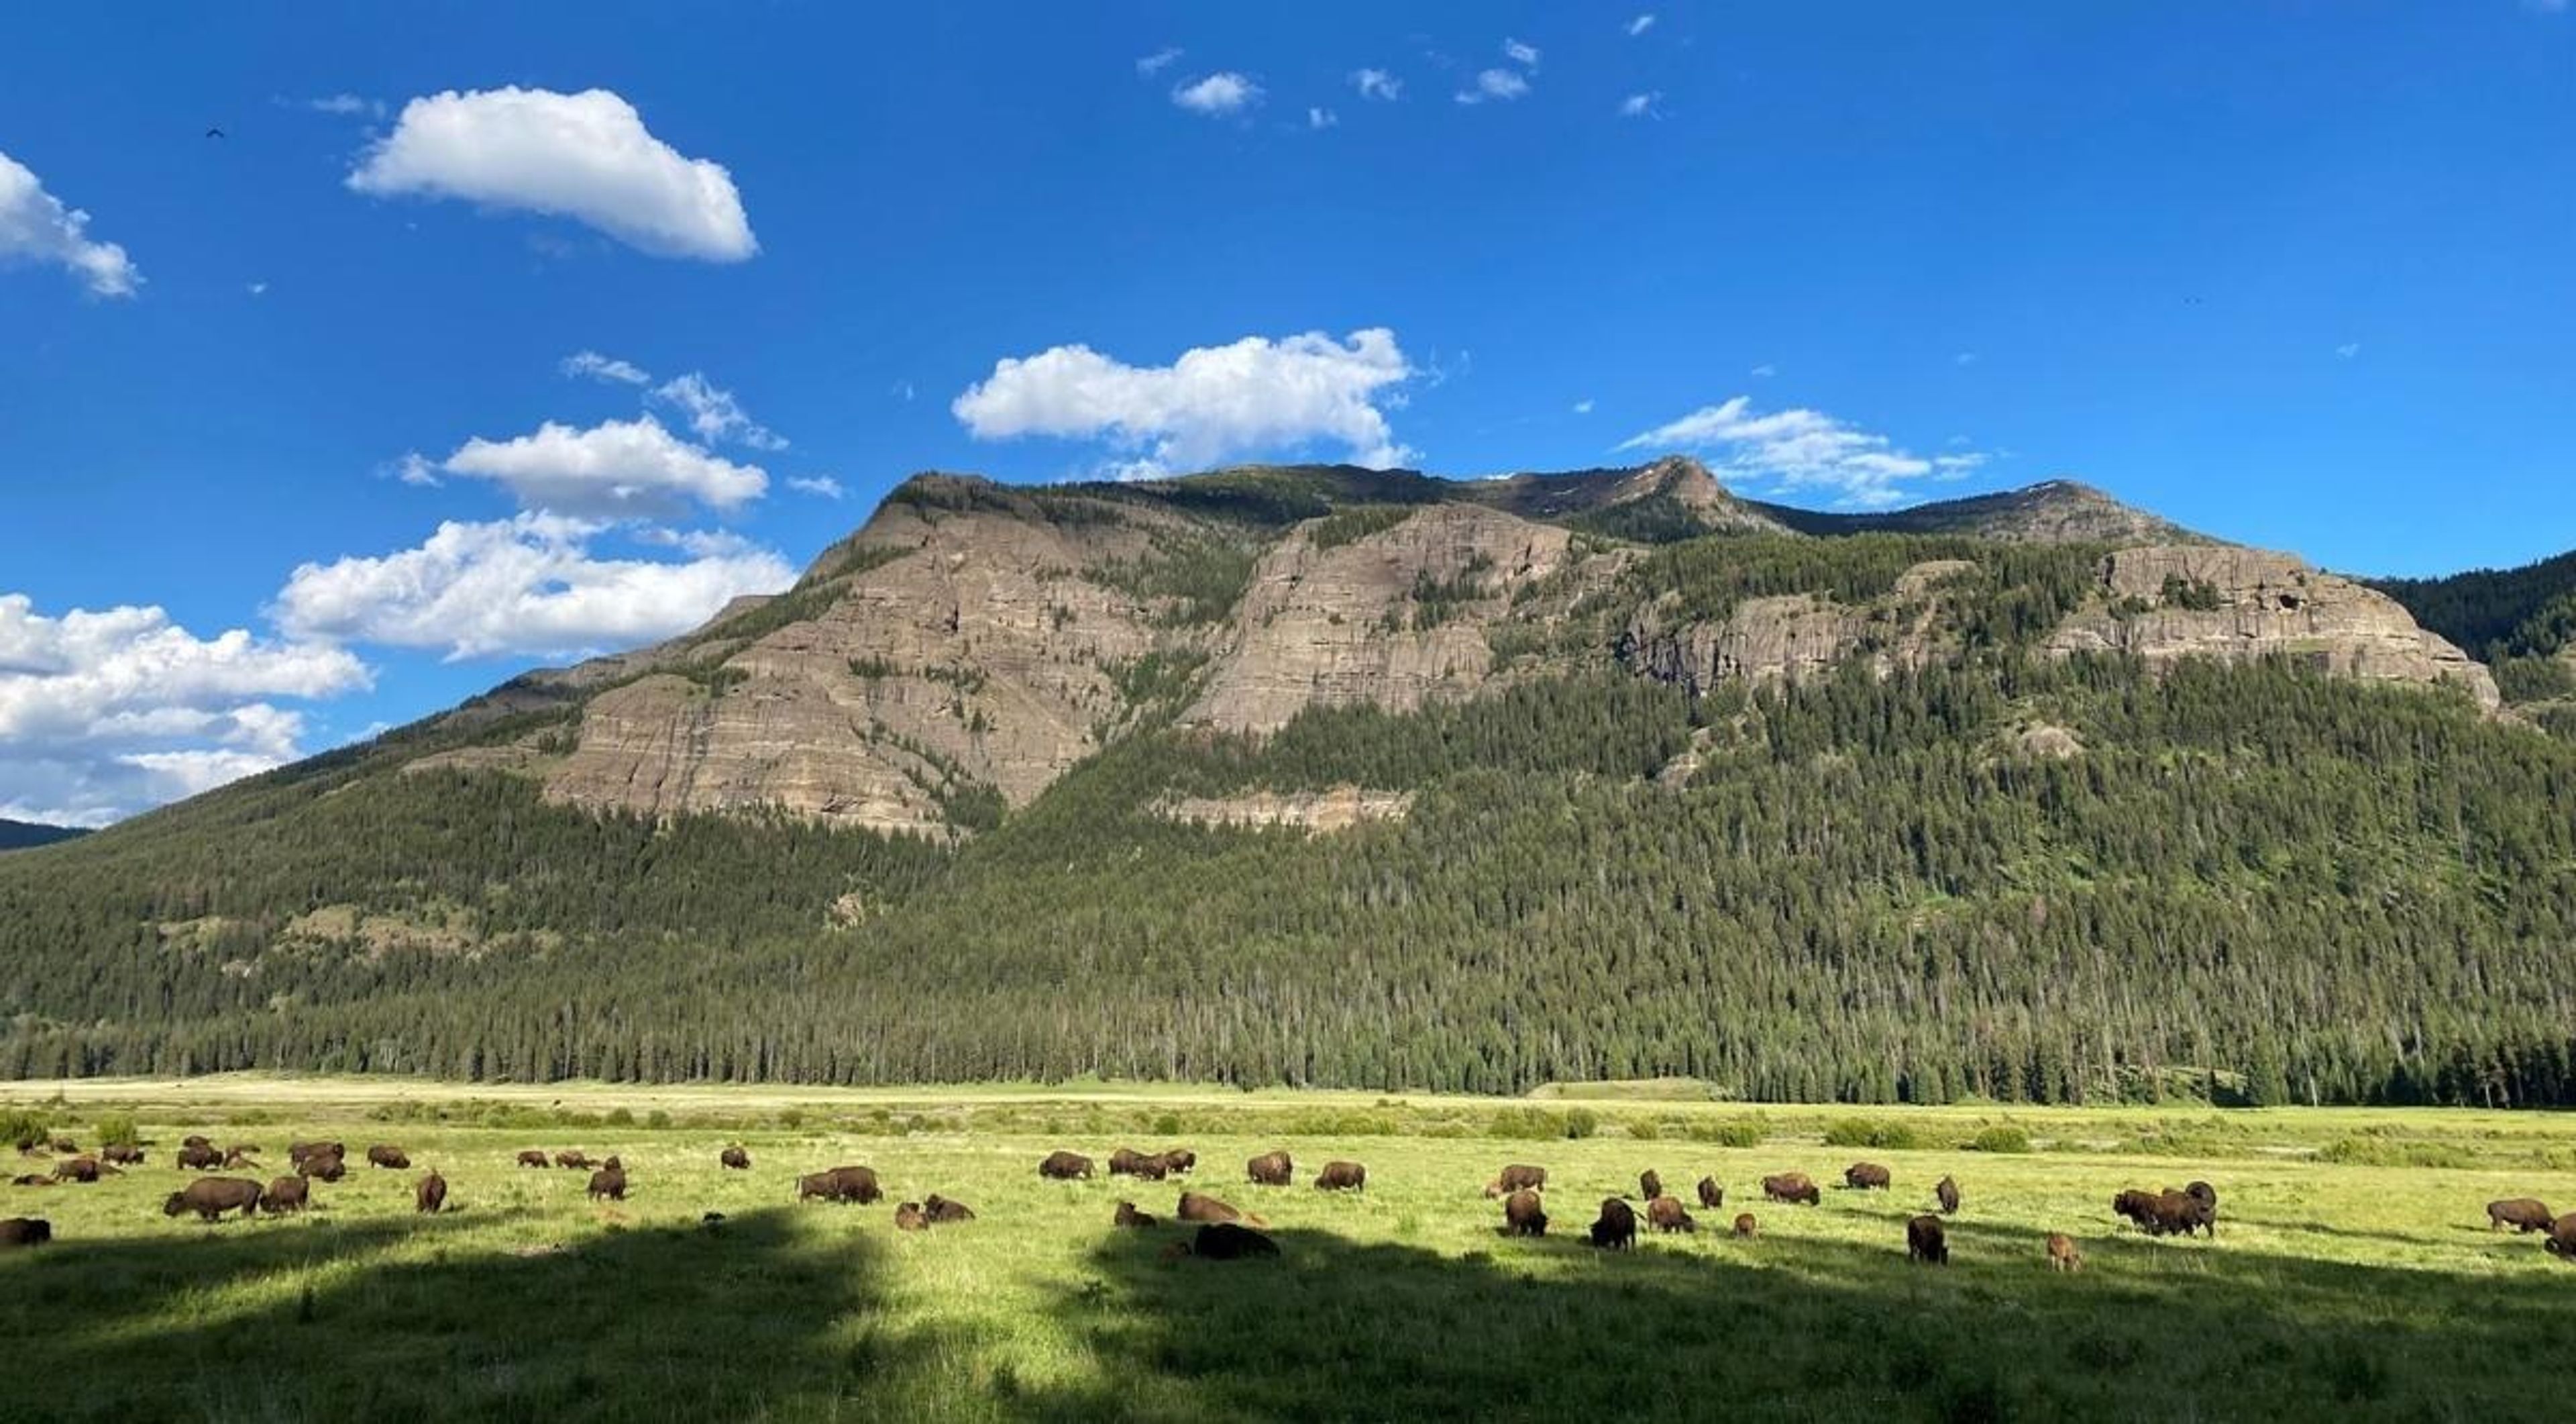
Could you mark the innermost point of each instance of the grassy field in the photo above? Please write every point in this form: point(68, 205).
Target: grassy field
point(2351, 1277)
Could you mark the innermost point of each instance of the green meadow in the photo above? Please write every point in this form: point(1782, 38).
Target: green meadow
point(2352, 1275)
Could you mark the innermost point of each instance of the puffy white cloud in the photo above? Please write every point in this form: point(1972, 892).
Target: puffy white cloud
point(1639, 106)
point(616, 468)
point(606, 369)
point(1253, 395)
point(105, 713)
point(714, 413)
point(1524, 55)
point(584, 156)
point(1218, 94)
point(1155, 63)
point(1502, 84)
point(820, 486)
point(1377, 84)
point(1802, 450)
point(1322, 119)
point(36, 227)
point(1641, 24)
point(529, 585)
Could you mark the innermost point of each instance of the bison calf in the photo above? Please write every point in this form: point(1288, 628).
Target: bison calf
point(1523, 1215)
point(1270, 1169)
point(1792, 1187)
point(430, 1197)
point(908, 1217)
point(1667, 1214)
point(1926, 1242)
point(2062, 1255)
point(1517, 1178)
point(211, 1197)
point(1129, 1216)
point(1616, 1228)
point(1342, 1177)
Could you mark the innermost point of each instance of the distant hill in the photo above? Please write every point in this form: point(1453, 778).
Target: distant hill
point(24, 835)
point(2521, 622)
point(1314, 774)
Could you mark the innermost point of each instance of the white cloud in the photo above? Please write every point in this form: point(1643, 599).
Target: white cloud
point(1641, 24)
point(1218, 94)
point(584, 156)
point(1377, 84)
point(1524, 55)
point(714, 414)
point(605, 368)
point(1322, 119)
point(2348, 350)
point(36, 227)
point(1253, 395)
point(1802, 450)
point(902, 390)
point(1157, 62)
point(1638, 106)
point(105, 713)
point(617, 468)
point(1503, 84)
point(257, 289)
point(527, 585)
point(1583, 406)
point(1766, 370)
point(345, 105)
point(820, 486)
point(415, 469)
point(1964, 358)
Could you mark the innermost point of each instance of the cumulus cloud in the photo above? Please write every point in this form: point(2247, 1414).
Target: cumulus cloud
point(36, 227)
point(530, 585)
point(1157, 62)
point(1524, 55)
point(584, 156)
point(104, 713)
point(615, 469)
point(1641, 24)
point(714, 413)
point(819, 486)
point(606, 369)
point(1503, 84)
point(1802, 450)
point(1256, 394)
point(1377, 84)
point(1639, 106)
point(1218, 94)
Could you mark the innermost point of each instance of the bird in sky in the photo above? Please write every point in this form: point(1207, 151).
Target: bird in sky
point(214, 133)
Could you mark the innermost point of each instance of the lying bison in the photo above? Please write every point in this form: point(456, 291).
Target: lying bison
point(211, 1197)
point(1341, 1177)
point(1523, 1214)
point(430, 1196)
point(1792, 1187)
point(1616, 1228)
point(1194, 1206)
point(533, 1157)
point(840, 1184)
point(943, 1212)
point(284, 1195)
point(236, 1158)
point(1926, 1242)
point(1270, 1169)
point(1649, 1186)
point(1128, 1162)
point(31, 1179)
point(1129, 1216)
point(1946, 1192)
point(1866, 1177)
point(1517, 1178)
point(2062, 1255)
point(1225, 1241)
point(734, 1159)
point(1065, 1166)
point(1667, 1214)
point(908, 1217)
point(1711, 1195)
point(2521, 1213)
point(608, 1183)
point(17, 1231)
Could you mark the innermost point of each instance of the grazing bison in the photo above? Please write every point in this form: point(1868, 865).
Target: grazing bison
point(1128, 1215)
point(1065, 1166)
point(199, 1157)
point(533, 1157)
point(2521, 1213)
point(430, 1196)
point(1523, 1215)
point(1128, 1162)
point(908, 1217)
point(17, 1231)
point(1866, 1177)
point(1649, 1186)
point(298, 1153)
point(80, 1169)
point(2562, 1238)
point(1926, 1242)
point(574, 1160)
point(1195, 1207)
point(211, 1197)
point(1179, 1161)
point(1946, 1192)
point(735, 1159)
point(382, 1155)
point(1616, 1228)
point(1711, 1195)
point(1667, 1214)
point(1270, 1169)
point(1225, 1241)
point(2062, 1255)
point(124, 1154)
point(1744, 1225)
point(942, 1211)
point(1792, 1187)
point(840, 1184)
point(1517, 1178)
point(327, 1167)
point(1341, 1177)
point(284, 1195)
point(608, 1183)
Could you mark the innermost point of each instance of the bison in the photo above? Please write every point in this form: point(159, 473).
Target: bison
point(1195, 1207)
point(1128, 1162)
point(238, 1157)
point(196, 1139)
point(1926, 1242)
point(199, 1157)
point(908, 1217)
point(17, 1231)
point(389, 1157)
point(1341, 1177)
point(1065, 1166)
point(124, 1154)
point(80, 1169)
point(2562, 1238)
point(1616, 1228)
point(608, 1183)
point(734, 1159)
point(533, 1157)
point(2521, 1213)
point(1792, 1187)
point(1946, 1192)
point(284, 1195)
point(328, 1167)
point(2139, 1207)
point(1128, 1215)
point(1711, 1195)
point(1523, 1215)
point(2062, 1255)
point(1225, 1241)
point(211, 1197)
point(31, 1179)
point(1179, 1161)
point(943, 1212)
point(1270, 1169)
point(840, 1184)
point(1649, 1186)
point(1667, 1214)
point(430, 1196)
point(298, 1153)
point(574, 1160)
point(2167, 1213)
point(1866, 1177)
point(1744, 1225)
point(1517, 1178)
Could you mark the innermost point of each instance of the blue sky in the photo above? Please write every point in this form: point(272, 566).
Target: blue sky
point(297, 437)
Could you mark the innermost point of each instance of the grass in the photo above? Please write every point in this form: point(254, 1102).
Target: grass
point(2335, 1287)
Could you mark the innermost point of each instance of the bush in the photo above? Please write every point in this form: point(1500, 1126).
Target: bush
point(657, 1119)
point(23, 1127)
point(621, 1117)
point(1167, 1125)
point(1581, 1122)
point(1645, 1129)
point(118, 1130)
point(1861, 1132)
point(1999, 1138)
point(1532, 1124)
point(1731, 1132)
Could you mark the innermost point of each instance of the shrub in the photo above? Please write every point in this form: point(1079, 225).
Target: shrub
point(1645, 1129)
point(657, 1119)
point(1861, 1132)
point(117, 1130)
point(1999, 1138)
point(791, 1118)
point(23, 1127)
point(1167, 1125)
point(1581, 1122)
point(1730, 1132)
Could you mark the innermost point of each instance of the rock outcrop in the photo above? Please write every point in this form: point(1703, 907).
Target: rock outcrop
point(1793, 636)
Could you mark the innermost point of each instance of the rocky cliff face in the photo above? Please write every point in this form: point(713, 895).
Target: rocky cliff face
point(1791, 636)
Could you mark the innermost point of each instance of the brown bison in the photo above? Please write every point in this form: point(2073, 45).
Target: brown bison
point(533, 1157)
point(2167, 1213)
point(80, 1169)
point(1792, 1187)
point(572, 1159)
point(31, 1179)
point(324, 1167)
point(1517, 1178)
point(1523, 1215)
point(1649, 1186)
point(1196, 1207)
point(1270, 1169)
point(298, 1153)
point(211, 1197)
point(1128, 1215)
point(1866, 1177)
point(430, 1196)
point(2062, 1255)
point(734, 1159)
point(942, 1211)
point(1926, 1242)
point(284, 1195)
point(1179, 1161)
point(1946, 1192)
point(1342, 1177)
point(237, 1157)
point(908, 1217)
point(2562, 1238)
point(392, 1158)
point(1065, 1166)
point(196, 1139)
point(1667, 1214)
point(1711, 1195)
point(1744, 1225)
point(17, 1231)
point(2139, 1207)
point(608, 1183)
point(1225, 1241)
point(124, 1154)
point(1616, 1228)
point(840, 1184)
point(1128, 1162)
point(2521, 1213)
point(199, 1157)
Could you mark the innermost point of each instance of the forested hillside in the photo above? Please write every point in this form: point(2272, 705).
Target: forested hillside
point(1841, 816)
point(2521, 621)
point(20, 835)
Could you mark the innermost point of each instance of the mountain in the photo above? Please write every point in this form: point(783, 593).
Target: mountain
point(2521, 622)
point(1338, 776)
point(25, 835)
